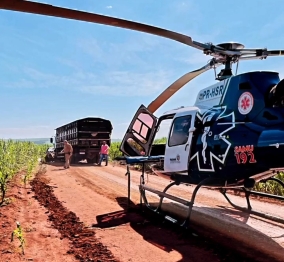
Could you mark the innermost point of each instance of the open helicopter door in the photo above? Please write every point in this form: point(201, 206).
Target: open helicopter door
point(179, 141)
point(139, 135)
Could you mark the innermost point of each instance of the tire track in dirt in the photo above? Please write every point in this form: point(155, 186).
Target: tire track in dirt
point(98, 184)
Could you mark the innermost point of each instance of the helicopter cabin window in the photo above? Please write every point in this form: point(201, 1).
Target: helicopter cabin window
point(179, 131)
point(244, 86)
point(142, 127)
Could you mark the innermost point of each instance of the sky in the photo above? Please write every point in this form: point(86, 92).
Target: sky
point(54, 70)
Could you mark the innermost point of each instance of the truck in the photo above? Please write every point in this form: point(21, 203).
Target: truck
point(85, 135)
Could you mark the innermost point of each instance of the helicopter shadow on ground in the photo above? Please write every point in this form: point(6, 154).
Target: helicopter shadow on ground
point(153, 230)
point(186, 241)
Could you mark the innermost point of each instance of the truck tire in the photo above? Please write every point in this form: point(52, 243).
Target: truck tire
point(91, 161)
point(92, 158)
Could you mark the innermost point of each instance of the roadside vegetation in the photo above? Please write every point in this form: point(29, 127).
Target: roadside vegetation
point(114, 150)
point(271, 187)
point(15, 157)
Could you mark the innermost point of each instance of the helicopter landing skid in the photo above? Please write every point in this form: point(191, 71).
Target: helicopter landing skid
point(163, 194)
point(189, 204)
point(249, 209)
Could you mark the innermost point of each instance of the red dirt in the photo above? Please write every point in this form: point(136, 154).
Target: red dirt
point(42, 241)
point(84, 244)
point(80, 214)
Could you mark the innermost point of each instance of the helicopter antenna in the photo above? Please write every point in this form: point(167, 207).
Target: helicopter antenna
point(237, 66)
point(214, 67)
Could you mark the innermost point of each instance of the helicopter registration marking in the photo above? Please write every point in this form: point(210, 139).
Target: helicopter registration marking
point(212, 93)
point(244, 154)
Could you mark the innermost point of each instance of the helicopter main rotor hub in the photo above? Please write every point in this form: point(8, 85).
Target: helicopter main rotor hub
point(231, 46)
point(226, 54)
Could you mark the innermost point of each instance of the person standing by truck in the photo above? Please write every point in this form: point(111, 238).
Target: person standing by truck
point(104, 153)
point(67, 150)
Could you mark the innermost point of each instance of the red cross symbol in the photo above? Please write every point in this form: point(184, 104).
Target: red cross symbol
point(245, 103)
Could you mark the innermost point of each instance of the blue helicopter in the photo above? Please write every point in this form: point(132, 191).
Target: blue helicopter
point(232, 137)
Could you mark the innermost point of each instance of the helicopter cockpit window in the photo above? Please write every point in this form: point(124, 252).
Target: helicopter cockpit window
point(179, 131)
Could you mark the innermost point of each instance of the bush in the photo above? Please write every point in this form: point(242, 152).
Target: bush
point(271, 187)
point(114, 150)
point(162, 140)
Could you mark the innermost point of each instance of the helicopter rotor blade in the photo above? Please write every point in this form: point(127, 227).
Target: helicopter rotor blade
point(274, 52)
point(259, 54)
point(50, 10)
point(177, 85)
point(262, 51)
point(251, 57)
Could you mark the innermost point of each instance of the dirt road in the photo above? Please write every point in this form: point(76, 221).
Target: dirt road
point(97, 198)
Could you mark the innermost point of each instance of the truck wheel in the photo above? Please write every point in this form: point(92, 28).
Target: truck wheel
point(91, 161)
